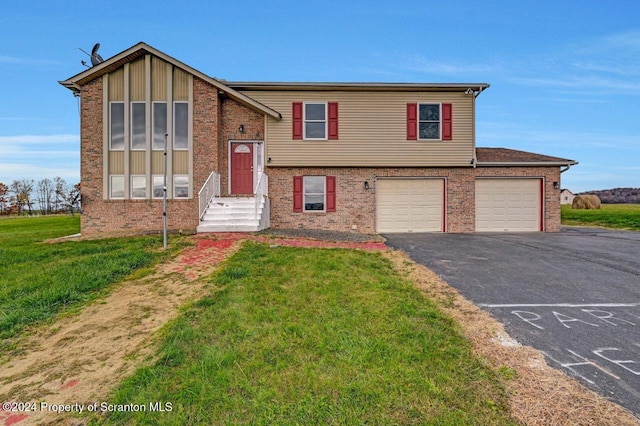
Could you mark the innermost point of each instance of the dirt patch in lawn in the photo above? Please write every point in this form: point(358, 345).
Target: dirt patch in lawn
point(79, 359)
point(538, 394)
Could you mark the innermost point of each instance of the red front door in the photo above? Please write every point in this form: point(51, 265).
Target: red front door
point(241, 168)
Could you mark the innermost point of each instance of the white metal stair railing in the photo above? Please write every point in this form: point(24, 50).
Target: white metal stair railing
point(209, 191)
point(261, 192)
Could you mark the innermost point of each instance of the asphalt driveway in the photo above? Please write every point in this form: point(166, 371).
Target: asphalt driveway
point(574, 295)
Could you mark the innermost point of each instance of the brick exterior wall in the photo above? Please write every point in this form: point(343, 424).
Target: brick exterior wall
point(216, 121)
point(356, 206)
point(102, 216)
point(233, 115)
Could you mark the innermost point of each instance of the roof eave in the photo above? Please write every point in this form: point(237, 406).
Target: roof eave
point(526, 163)
point(344, 86)
point(75, 83)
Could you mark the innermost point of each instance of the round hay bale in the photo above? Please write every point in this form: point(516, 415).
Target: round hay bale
point(586, 201)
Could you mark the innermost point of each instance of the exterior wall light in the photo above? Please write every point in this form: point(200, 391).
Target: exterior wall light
point(366, 185)
point(241, 128)
point(556, 185)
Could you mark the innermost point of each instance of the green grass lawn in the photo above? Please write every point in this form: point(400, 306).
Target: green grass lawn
point(39, 280)
point(616, 216)
point(313, 336)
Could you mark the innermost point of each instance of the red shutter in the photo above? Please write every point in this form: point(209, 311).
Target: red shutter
point(412, 122)
point(297, 120)
point(297, 194)
point(447, 134)
point(333, 120)
point(331, 193)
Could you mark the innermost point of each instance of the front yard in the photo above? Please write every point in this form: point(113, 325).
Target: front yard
point(313, 336)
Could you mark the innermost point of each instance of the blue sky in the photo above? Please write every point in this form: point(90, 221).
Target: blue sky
point(564, 75)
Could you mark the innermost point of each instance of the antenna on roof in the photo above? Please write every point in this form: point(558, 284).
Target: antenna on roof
point(95, 56)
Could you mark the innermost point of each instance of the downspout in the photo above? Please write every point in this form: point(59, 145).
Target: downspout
point(568, 167)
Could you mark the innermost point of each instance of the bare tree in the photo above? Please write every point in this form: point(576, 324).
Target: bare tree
point(4, 197)
point(61, 193)
point(45, 195)
point(22, 190)
point(73, 199)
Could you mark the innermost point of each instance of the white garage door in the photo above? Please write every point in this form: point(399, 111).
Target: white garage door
point(410, 205)
point(508, 205)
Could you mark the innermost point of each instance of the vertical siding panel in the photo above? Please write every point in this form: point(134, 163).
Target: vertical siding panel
point(137, 162)
point(159, 79)
point(180, 85)
point(157, 162)
point(137, 80)
point(180, 162)
point(116, 85)
point(116, 162)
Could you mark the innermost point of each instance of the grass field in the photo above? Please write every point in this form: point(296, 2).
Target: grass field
point(39, 280)
point(615, 216)
point(313, 336)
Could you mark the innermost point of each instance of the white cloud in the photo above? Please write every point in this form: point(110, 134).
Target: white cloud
point(605, 65)
point(11, 171)
point(421, 64)
point(39, 156)
point(38, 139)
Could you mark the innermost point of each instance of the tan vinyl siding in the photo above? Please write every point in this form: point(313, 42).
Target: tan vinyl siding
point(137, 79)
point(116, 162)
point(116, 85)
point(157, 162)
point(180, 85)
point(158, 79)
point(372, 130)
point(137, 162)
point(180, 162)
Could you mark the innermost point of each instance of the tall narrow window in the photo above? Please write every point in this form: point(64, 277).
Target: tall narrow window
point(181, 125)
point(116, 127)
point(159, 125)
point(315, 120)
point(138, 125)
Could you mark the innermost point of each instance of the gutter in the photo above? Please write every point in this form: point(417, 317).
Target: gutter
point(527, 164)
point(568, 166)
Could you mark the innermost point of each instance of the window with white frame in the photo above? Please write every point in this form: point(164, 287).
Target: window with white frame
point(138, 126)
point(314, 191)
point(138, 186)
point(429, 126)
point(158, 186)
point(116, 186)
point(180, 125)
point(159, 125)
point(116, 126)
point(315, 120)
point(180, 186)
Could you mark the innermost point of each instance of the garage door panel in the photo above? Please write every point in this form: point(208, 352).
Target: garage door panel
point(410, 205)
point(508, 205)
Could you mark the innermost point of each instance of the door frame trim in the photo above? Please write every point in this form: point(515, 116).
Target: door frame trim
point(257, 145)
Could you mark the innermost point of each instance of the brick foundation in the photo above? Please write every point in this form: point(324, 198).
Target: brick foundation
point(356, 206)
